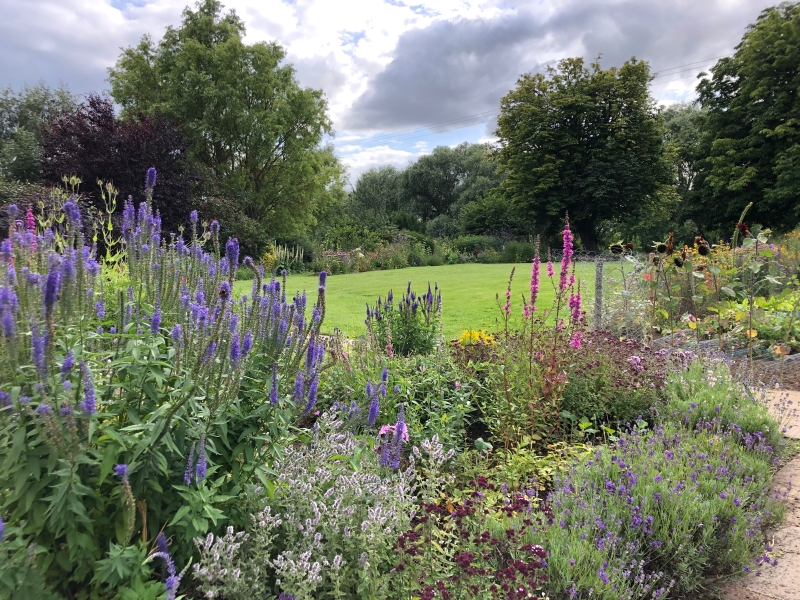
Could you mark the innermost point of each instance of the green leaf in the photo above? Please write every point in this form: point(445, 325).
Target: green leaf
point(728, 291)
point(755, 266)
point(182, 512)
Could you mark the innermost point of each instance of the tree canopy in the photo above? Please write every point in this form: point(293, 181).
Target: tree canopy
point(92, 144)
point(25, 116)
point(751, 131)
point(254, 129)
point(584, 140)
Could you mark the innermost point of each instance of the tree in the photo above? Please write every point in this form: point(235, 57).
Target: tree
point(92, 144)
point(751, 132)
point(379, 193)
point(584, 141)
point(24, 117)
point(443, 181)
point(256, 131)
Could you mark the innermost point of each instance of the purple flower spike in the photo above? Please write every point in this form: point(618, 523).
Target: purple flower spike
point(247, 343)
point(13, 211)
point(51, 288)
point(273, 390)
point(66, 366)
point(176, 334)
point(232, 252)
point(235, 352)
point(214, 227)
point(200, 468)
point(323, 280)
point(298, 388)
point(90, 402)
point(38, 343)
point(187, 474)
point(193, 217)
point(150, 180)
point(121, 471)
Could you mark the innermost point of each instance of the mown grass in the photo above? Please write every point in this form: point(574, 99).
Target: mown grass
point(468, 293)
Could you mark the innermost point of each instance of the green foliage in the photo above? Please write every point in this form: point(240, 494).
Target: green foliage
point(24, 118)
point(409, 326)
point(750, 138)
point(145, 362)
point(567, 144)
point(493, 215)
point(236, 100)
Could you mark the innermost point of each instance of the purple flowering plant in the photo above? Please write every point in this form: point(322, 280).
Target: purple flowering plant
point(173, 361)
point(408, 325)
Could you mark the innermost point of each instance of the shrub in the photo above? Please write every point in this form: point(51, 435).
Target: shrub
point(410, 326)
point(172, 380)
point(325, 530)
point(473, 244)
point(613, 380)
point(437, 398)
point(516, 252)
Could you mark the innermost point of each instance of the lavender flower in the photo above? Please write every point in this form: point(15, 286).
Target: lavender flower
point(150, 180)
point(201, 466)
point(89, 405)
point(187, 474)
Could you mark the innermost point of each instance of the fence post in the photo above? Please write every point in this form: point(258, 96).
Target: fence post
point(598, 292)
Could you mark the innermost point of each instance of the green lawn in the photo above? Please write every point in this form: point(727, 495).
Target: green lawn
point(468, 293)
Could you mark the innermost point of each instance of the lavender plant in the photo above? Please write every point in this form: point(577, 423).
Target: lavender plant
point(325, 530)
point(169, 363)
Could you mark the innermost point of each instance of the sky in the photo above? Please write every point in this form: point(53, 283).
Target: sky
point(400, 77)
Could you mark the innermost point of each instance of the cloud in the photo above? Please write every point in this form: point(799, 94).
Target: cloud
point(462, 66)
point(364, 159)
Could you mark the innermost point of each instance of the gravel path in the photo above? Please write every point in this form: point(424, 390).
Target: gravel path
point(783, 581)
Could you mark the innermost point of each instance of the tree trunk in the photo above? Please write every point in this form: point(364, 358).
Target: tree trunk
point(588, 237)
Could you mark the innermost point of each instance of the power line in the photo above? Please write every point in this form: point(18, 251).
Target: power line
point(375, 140)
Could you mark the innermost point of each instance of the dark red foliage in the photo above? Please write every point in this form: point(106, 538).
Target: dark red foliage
point(93, 144)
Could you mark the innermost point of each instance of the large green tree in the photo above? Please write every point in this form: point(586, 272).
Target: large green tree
point(751, 133)
point(584, 140)
point(255, 130)
point(25, 116)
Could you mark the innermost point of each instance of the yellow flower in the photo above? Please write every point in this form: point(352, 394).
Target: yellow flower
point(474, 336)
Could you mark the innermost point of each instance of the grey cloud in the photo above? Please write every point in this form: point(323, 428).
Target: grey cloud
point(462, 67)
point(320, 72)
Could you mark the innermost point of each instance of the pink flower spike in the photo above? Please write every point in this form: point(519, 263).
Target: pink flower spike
point(566, 256)
point(535, 267)
point(576, 340)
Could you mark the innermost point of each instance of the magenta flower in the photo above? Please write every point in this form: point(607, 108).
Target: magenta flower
point(535, 276)
point(576, 340)
point(566, 257)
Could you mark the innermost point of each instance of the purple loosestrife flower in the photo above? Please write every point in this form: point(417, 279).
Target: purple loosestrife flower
point(566, 256)
point(273, 390)
point(89, 405)
point(187, 474)
point(297, 394)
point(150, 179)
point(232, 252)
point(575, 342)
point(201, 466)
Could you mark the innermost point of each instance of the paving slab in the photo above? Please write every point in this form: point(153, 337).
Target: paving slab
point(781, 582)
point(784, 405)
